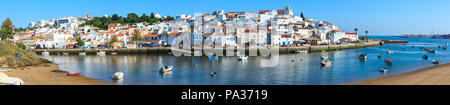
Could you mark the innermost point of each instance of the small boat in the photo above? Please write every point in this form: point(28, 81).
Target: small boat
point(323, 51)
point(46, 53)
point(413, 46)
point(446, 44)
point(421, 47)
point(82, 53)
point(439, 46)
point(383, 70)
point(326, 63)
point(323, 57)
point(5, 80)
point(243, 57)
point(425, 56)
point(388, 62)
point(5, 69)
point(380, 55)
point(444, 47)
point(213, 74)
point(363, 56)
point(117, 76)
point(166, 69)
point(390, 52)
point(212, 57)
point(74, 74)
point(435, 62)
point(432, 51)
point(300, 51)
point(115, 53)
point(101, 53)
point(64, 53)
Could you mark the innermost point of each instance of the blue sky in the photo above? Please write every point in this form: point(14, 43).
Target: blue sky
point(380, 17)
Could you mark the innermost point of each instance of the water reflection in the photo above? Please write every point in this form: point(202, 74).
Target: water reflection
point(306, 69)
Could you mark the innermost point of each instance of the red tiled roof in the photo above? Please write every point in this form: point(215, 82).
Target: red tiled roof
point(111, 32)
point(263, 11)
point(348, 33)
point(280, 11)
point(284, 36)
point(207, 34)
point(152, 40)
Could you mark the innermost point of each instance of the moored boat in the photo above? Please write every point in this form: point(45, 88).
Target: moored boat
point(323, 57)
point(212, 57)
point(388, 61)
point(362, 56)
point(383, 70)
point(326, 63)
point(101, 53)
point(435, 62)
point(113, 53)
point(5, 69)
point(300, 51)
point(380, 55)
point(74, 74)
point(425, 56)
point(243, 57)
point(166, 69)
point(45, 53)
point(117, 76)
point(390, 52)
point(82, 53)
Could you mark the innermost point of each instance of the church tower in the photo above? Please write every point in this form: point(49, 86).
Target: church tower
point(288, 10)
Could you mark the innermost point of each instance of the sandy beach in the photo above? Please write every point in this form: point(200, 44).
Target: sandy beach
point(436, 75)
point(42, 75)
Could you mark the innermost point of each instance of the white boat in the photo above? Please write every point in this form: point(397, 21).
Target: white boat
point(113, 53)
point(300, 51)
point(46, 53)
point(5, 80)
point(101, 53)
point(243, 57)
point(383, 70)
point(166, 69)
point(323, 57)
point(65, 53)
point(82, 53)
point(117, 76)
point(326, 63)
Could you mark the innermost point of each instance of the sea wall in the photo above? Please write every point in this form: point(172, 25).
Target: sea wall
point(166, 50)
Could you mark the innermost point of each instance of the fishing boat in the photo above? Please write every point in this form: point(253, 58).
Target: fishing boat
point(101, 53)
point(213, 74)
point(425, 56)
point(212, 57)
point(166, 69)
point(383, 70)
point(362, 56)
point(74, 74)
point(380, 55)
point(435, 62)
point(444, 47)
point(243, 57)
point(300, 51)
point(388, 62)
point(323, 57)
point(117, 76)
point(82, 53)
point(390, 52)
point(326, 63)
point(46, 53)
point(5, 69)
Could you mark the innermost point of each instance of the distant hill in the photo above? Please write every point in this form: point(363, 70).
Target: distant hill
point(428, 36)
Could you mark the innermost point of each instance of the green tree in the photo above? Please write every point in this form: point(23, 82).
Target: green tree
point(7, 29)
point(80, 42)
point(301, 15)
point(152, 15)
point(136, 35)
point(356, 30)
point(367, 40)
point(115, 18)
point(132, 18)
point(113, 39)
point(144, 18)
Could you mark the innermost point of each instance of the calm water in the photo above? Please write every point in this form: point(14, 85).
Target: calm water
point(143, 69)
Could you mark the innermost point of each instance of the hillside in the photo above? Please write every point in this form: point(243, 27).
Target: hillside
point(13, 56)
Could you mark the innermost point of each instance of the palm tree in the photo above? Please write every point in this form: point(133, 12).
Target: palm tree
point(356, 30)
point(367, 38)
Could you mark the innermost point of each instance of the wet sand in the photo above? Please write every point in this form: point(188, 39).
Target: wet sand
point(42, 75)
point(436, 75)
